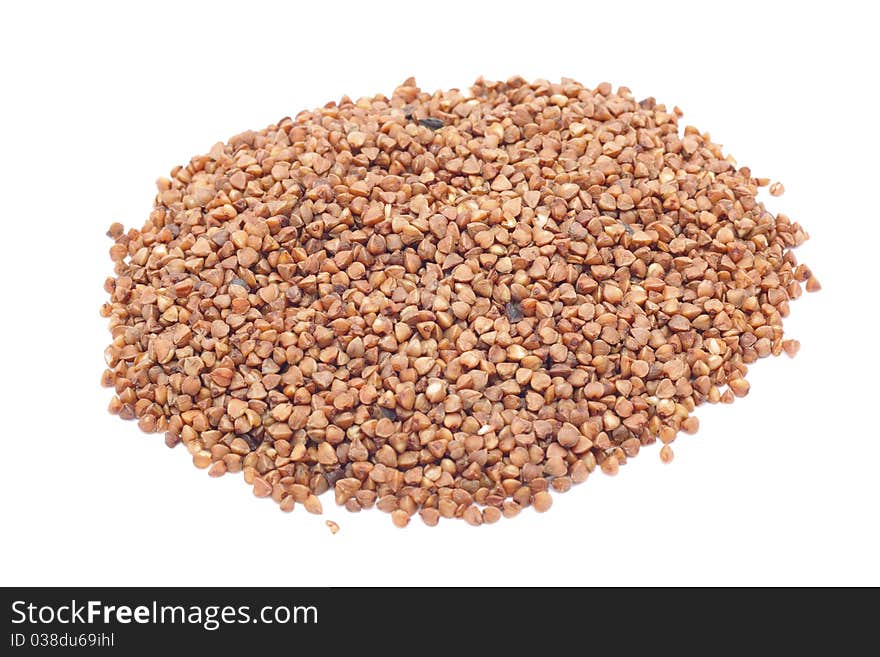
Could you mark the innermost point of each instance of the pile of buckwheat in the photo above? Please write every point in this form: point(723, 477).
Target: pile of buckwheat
point(444, 303)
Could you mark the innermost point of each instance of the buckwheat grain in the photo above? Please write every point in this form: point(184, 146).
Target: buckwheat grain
point(447, 304)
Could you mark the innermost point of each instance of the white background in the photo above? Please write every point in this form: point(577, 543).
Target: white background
point(99, 100)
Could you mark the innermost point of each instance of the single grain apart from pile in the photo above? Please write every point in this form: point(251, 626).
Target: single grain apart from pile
point(447, 304)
